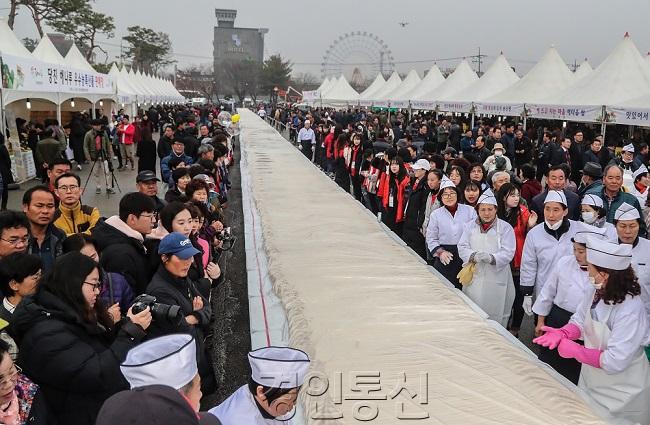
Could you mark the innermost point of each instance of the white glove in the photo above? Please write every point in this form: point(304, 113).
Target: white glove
point(482, 257)
point(446, 257)
point(313, 148)
point(528, 305)
point(300, 146)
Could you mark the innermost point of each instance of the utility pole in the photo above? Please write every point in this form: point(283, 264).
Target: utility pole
point(478, 59)
point(175, 72)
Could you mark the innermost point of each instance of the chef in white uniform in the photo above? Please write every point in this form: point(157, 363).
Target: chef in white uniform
point(593, 213)
point(641, 182)
point(612, 322)
point(445, 228)
point(271, 394)
point(169, 360)
point(545, 243)
point(490, 243)
point(563, 291)
point(627, 221)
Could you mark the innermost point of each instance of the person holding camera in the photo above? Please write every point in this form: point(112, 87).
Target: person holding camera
point(97, 147)
point(68, 343)
point(172, 286)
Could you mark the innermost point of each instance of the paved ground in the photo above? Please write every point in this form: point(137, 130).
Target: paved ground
point(230, 329)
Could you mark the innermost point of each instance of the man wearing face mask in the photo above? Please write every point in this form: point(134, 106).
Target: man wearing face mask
point(545, 243)
point(592, 178)
point(627, 221)
point(498, 151)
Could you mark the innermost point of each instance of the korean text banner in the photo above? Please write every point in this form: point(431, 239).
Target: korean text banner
point(629, 115)
point(580, 113)
point(27, 74)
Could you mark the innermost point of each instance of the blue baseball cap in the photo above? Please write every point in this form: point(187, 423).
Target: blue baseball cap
point(177, 244)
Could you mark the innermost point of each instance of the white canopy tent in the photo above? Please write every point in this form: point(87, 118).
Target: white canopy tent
point(583, 70)
point(341, 94)
point(411, 81)
point(46, 52)
point(76, 59)
point(368, 94)
point(497, 78)
point(393, 82)
point(431, 81)
point(548, 77)
point(622, 76)
point(460, 79)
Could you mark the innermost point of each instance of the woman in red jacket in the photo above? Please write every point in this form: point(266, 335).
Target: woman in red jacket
point(394, 193)
point(329, 147)
point(511, 208)
point(354, 166)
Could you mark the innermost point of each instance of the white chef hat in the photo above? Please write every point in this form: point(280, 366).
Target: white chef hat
point(307, 122)
point(445, 183)
point(421, 164)
point(487, 197)
point(585, 231)
point(279, 367)
point(556, 196)
point(593, 200)
point(608, 255)
point(642, 169)
point(626, 212)
point(168, 360)
point(628, 148)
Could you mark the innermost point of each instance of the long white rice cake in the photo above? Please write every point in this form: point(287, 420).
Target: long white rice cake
point(359, 303)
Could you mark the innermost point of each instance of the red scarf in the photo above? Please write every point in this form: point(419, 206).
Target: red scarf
point(329, 144)
point(353, 162)
point(452, 210)
point(384, 189)
point(640, 187)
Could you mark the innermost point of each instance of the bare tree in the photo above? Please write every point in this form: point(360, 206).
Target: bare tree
point(241, 77)
point(304, 81)
point(198, 78)
point(13, 11)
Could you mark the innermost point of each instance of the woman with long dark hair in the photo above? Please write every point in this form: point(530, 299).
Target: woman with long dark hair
point(394, 193)
point(478, 175)
point(341, 175)
point(354, 166)
point(68, 343)
point(614, 325)
point(512, 210)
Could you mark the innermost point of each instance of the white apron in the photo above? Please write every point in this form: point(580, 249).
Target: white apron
point(491, 289)
point(625, 394)
point(240, 409)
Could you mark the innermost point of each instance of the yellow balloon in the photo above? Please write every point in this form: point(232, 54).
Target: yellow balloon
point(235, 118)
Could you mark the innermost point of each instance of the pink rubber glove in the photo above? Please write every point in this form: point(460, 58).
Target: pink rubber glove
point(551, 339)
point(572, 350)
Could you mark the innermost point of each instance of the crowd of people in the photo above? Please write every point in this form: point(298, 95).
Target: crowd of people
point(86, 298)
point(546, 222)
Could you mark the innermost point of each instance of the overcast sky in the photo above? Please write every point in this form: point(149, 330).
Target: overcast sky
point(302, 31)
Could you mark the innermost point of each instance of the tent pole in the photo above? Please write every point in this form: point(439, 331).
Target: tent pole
point(58, 108)
point(472, 124)
point(603, 125)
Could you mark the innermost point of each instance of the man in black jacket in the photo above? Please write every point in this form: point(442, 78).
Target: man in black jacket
point(556, 178)
point(120, 239)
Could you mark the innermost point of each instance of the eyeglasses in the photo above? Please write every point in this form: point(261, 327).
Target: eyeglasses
point(71, 188)
point(15, 241)
point(97, 286)
point(149, 216)
point(449, 195)
point(12, 377)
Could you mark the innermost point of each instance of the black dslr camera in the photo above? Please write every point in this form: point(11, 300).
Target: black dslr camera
point(227, 238)
point(169, 313)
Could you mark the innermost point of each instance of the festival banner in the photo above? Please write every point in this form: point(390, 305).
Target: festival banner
point(310, 95)
point(505, 109)
point(425, 105)
point(455, 106)
point(629, 115)
point(579, 113)
point(27, 74)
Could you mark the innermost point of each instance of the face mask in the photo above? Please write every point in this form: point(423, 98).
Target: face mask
point(498, 153)
point(589, 217)
point(553, 226)
point(592, 281)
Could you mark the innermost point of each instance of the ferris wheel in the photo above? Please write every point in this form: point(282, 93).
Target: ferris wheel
point(355, 53)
